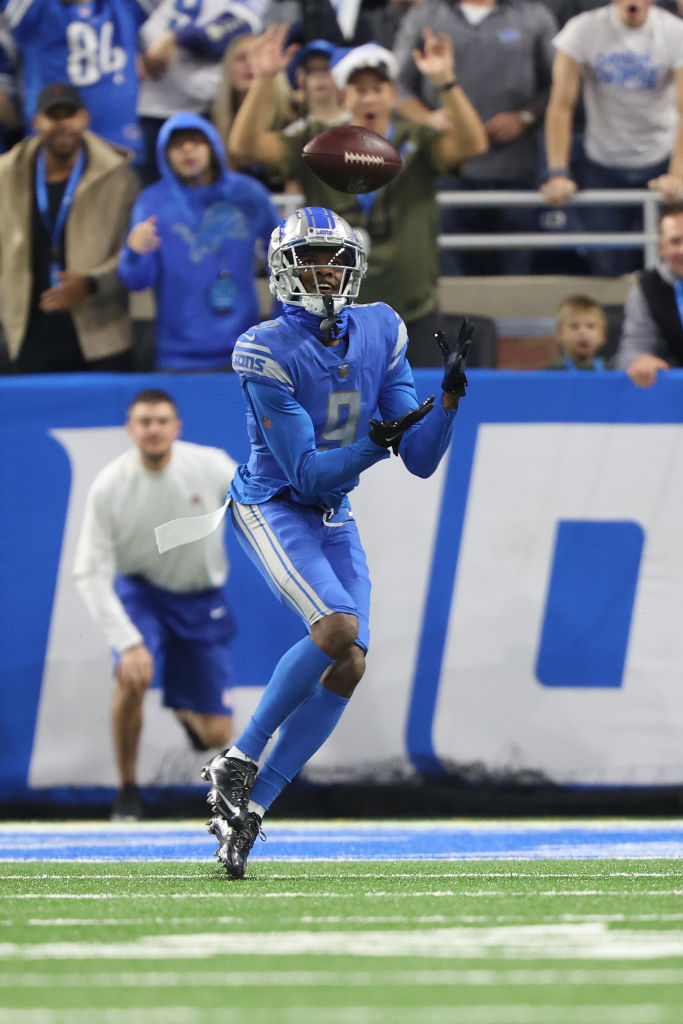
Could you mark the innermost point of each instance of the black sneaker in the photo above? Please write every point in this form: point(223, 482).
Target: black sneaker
point(231, 782)
point(128, 805)
point(234, 852)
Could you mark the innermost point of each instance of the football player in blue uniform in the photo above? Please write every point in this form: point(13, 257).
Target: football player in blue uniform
point(90, 43)
point(329, 393)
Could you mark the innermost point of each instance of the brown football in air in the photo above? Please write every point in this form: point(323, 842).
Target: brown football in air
point(351, 158)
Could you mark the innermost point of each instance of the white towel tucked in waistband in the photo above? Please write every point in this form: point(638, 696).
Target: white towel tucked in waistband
point(188, 528)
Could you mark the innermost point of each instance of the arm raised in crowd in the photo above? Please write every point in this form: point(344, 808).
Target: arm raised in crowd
point(249, 139)
point(410, 105)
point(463, 136)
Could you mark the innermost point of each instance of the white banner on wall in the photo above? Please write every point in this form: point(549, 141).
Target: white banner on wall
point(526, 599)
point(492, 706)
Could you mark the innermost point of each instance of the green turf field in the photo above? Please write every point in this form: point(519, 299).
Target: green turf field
point(366, 942)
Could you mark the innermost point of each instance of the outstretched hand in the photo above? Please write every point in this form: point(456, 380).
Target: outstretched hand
point(454, 381)
point(388, 433)
point(270, 53)
point(435, 60)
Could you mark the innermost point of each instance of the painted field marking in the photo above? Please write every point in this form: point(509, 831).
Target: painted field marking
point(306, 919)
point(355, 841)
point(664, 851)
point(552, 941)
point(487, 918)
point(493, 1013)
point(361, 876)
point(116, 922)
point(326, 978)
point(370, 894)
point(368, 825)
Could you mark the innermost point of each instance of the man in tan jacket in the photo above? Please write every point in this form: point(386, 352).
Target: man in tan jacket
point(65, 201)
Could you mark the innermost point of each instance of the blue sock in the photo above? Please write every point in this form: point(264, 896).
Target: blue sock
point(301, 735)
point(295, 677)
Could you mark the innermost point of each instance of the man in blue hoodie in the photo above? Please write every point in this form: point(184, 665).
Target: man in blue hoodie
point(194, 235)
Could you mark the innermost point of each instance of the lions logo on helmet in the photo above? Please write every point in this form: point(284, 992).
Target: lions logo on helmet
point(314, 227)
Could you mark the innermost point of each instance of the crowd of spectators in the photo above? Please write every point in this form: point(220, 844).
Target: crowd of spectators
point(556, 95)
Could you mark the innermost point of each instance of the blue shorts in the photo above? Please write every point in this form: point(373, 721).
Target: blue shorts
point(188, 636)
point(312, 566)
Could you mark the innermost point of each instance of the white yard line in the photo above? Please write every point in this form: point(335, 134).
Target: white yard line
point(599, 850)
point(366, 875)
point(364, 825)
point(117, 922)
point(545, 941)
point(231, 893)
point(494, 1013)
point(329, 978)
point(483, 918)
point(307, 919)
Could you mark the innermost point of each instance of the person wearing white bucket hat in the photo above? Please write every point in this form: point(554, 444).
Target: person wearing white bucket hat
point(400, 220)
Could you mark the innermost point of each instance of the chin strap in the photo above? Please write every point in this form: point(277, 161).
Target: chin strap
point(328, 325)
point(329, 328)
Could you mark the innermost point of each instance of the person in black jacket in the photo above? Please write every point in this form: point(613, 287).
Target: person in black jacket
point(652, 333)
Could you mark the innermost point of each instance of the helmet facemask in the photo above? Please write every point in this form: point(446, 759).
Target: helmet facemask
point(296, 247)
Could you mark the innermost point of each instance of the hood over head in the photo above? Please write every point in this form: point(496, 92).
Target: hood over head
point(182, 121)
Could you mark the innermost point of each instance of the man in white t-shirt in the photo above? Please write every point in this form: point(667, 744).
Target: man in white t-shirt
point(628, 58)
point(162, 615)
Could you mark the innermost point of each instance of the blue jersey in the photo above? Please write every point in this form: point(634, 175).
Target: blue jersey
point(92, 45)
point(309, 407)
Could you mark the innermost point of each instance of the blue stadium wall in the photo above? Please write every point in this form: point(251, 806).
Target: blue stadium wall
point(527, 599)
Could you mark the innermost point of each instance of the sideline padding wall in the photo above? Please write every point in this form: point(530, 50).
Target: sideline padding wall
point(526, 602)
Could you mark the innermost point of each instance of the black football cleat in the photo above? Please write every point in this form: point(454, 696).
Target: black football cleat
point(233, 854)
point(231, 783)
point(219, 828)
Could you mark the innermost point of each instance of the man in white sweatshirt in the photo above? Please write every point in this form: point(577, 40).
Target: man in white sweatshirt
point(162, 615)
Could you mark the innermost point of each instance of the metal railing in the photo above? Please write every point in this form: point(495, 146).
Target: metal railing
point(647, 238)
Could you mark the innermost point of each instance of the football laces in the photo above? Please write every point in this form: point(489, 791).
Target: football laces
point(362, 158)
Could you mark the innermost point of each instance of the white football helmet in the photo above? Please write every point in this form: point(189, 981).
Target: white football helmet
point(314, 227)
